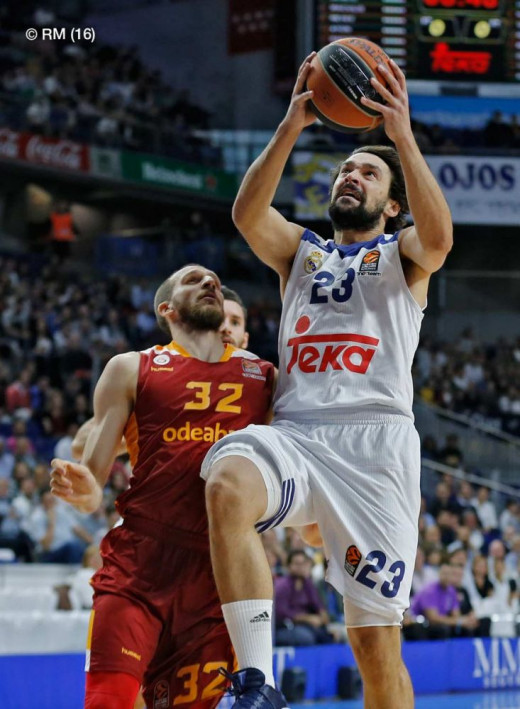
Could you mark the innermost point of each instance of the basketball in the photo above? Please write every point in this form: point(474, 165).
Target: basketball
point(340, 76)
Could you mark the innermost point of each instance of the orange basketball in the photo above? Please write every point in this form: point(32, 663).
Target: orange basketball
point(340, 76)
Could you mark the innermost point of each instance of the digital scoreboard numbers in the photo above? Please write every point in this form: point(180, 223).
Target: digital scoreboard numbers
point(459, 40)
point(466, 40)
point(388, 23)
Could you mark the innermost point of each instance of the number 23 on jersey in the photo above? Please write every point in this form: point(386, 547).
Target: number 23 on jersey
point(321, 288)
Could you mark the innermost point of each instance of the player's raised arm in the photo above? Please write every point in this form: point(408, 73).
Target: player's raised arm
point(81, 485)
point(274, 239)
point(430, 239)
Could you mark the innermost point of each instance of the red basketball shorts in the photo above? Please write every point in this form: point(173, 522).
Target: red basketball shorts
point(157, 616)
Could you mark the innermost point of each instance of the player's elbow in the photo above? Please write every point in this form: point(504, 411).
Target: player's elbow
point(444, 242)
point(77, 448)
point(240, 215)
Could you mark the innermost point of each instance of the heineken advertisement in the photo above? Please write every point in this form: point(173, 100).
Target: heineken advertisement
point(176, 175)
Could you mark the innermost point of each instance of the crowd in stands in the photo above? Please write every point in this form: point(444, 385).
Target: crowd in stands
point(467, 565)
point(97, 94)
point(472, 378)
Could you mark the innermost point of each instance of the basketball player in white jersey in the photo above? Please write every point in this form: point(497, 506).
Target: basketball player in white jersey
point(342, 450)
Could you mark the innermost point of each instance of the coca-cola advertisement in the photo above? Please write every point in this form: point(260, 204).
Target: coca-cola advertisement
point(57, 153)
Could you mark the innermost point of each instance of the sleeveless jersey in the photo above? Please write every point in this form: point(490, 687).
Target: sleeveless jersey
point(348, 332)
point(182, 406)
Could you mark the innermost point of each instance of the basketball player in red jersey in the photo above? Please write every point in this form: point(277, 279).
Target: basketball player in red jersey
point(156, 617)
point(233, 331)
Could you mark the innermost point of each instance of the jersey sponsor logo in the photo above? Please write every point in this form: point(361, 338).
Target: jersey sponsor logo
point(320, 353)
point(352, 559)
point(161, 695)
point(313, 262)
point(131, 653)
point(370, 263)
point(252, 370)
point(209, 434)
point(161, 359)
point(161, 369)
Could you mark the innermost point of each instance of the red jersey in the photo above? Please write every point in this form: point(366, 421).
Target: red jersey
point(183, 405)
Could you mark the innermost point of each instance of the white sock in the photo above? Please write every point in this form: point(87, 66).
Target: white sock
point(250, 630)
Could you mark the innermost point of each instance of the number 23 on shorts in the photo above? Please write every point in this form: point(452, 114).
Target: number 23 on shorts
point(376, 562)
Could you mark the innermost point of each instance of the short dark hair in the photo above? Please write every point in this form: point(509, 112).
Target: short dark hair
point(229, 294)
point(297, 552)
point(397, 190)
point(162, 295)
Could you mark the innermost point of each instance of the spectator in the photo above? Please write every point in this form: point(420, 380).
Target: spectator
point(438, 603)
point(465, 495)
point(63, 448)
point(58, 536)
point(63, 230)
point(423, 574)
point(485, 509)
point(480, 627)
point(513, 557)
point(429, 448)
point(301, 618)
point(5, 498)
point(18, 394)
point(505, 587)
point(451, 454)
point(510, 516)
point(480, 587)
point(443, 501)
point(80, 590)
point(6, 461)
point(476, 538)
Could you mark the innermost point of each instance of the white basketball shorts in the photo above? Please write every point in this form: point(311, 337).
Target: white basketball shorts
point(360, 482)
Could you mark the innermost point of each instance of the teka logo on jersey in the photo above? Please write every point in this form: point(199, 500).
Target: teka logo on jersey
point(320, 353)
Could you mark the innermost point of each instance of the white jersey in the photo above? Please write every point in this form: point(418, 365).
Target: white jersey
point(348, 333)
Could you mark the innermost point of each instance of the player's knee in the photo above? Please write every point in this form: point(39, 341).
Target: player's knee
point(376, 648)
point(229, 497)
point(223, 490)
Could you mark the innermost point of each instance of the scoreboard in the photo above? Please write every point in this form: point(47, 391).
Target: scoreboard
point(461, 40)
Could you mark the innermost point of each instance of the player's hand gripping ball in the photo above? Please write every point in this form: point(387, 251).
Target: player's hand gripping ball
point(340, 76)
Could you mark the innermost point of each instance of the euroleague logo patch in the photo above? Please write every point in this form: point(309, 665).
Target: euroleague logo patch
point(313, 262)
point(252, 370)
point(161, 695)
point(370, 262)
point(352, 559)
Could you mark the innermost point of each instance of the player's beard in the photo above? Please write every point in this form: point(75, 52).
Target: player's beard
point(201, 316)
point(355, 217)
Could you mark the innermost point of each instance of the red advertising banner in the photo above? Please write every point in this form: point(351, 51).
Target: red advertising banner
point(54, 152)
point(60, 154)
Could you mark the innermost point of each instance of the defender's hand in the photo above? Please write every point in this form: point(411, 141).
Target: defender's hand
point(75, 484)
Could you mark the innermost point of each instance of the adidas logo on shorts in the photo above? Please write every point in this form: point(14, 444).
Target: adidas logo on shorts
point(262, 618)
